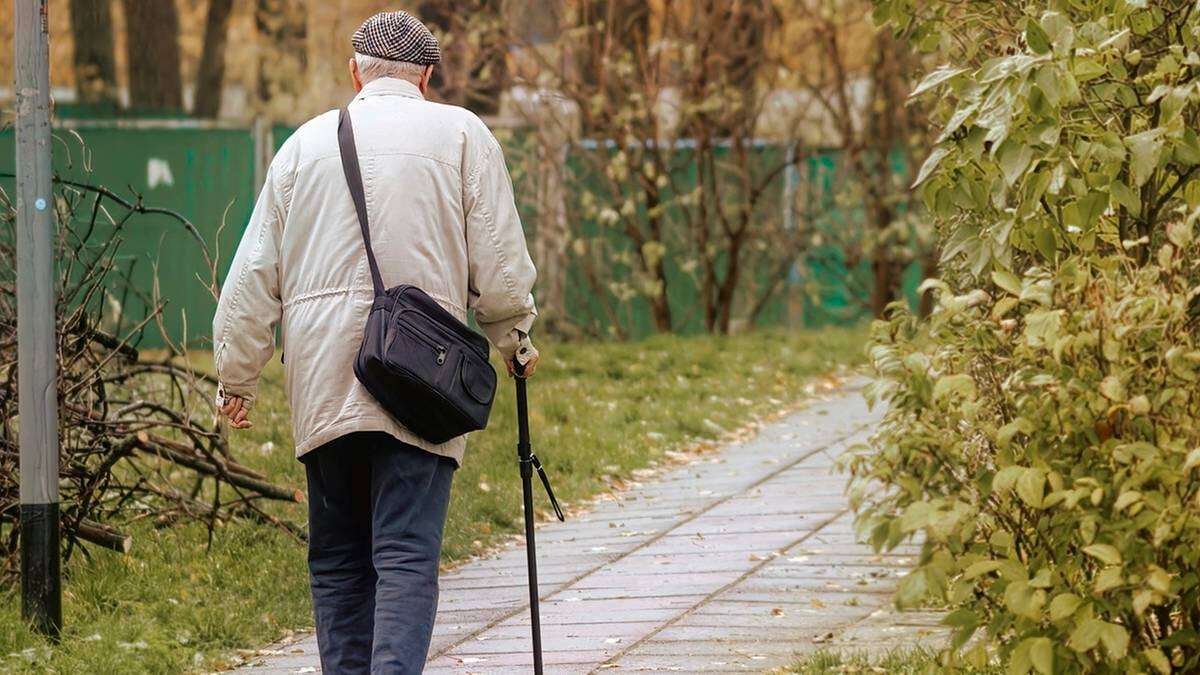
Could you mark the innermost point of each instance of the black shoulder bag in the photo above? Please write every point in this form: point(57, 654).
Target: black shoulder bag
point(425, 367)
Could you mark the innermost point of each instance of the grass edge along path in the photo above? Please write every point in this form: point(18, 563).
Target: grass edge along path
point(601, 414)
point(912, 661)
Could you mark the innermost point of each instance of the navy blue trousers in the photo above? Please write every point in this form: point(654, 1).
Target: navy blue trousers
point(376, 510)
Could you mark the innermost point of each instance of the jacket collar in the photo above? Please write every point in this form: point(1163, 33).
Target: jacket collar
point(390, 86)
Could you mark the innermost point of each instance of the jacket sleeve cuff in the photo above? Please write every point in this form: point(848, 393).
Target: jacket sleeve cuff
point(504, 333)
point(225, 392)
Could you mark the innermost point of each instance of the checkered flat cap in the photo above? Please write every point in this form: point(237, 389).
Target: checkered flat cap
point(397, 36)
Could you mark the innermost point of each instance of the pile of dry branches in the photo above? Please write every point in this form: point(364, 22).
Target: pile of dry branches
point(138, 433)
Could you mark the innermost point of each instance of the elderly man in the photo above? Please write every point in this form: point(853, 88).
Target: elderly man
point(440, 205)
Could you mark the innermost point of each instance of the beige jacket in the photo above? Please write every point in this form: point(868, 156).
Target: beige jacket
point(442, 215)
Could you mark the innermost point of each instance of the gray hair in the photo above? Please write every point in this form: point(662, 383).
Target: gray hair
point(373, 68)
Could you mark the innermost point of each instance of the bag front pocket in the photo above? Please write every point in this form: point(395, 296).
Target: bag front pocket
point(478, 379)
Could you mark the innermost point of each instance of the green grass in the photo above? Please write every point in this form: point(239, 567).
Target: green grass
point(598, 412)
point(916, 661)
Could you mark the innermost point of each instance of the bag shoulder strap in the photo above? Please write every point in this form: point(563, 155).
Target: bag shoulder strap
point(354, 182)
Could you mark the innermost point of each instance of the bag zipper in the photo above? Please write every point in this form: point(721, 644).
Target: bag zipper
point(421, 335)
point(454, 335)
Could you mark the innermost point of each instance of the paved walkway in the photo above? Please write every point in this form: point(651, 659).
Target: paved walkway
point(739, 561)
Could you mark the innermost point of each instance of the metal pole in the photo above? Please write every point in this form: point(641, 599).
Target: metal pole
point(41, 596)
point(525, 458)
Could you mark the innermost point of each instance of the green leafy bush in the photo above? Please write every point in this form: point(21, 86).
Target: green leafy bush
point(1044, 441)
point(1042, 430)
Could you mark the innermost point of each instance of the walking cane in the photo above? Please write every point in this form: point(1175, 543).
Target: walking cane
point(529, 463)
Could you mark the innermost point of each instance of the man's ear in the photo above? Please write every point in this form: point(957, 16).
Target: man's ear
point(355, 76)
point(426, 76)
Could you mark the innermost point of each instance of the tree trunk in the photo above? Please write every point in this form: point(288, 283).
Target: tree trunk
point(489, 76)
point(152, 48)
point(210, 77)
point(747, 25)
point(95, 58)
point(660, 307)
point(733, 276)
point(283, 52)
point(438, 16)
point(888, 127)
point(887, 254)
point(885, 272)
point(492, 78)
point(660, 301)
point(474, 69)
point(618, 29)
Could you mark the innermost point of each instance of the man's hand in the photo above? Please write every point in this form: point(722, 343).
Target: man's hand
point(236, 410)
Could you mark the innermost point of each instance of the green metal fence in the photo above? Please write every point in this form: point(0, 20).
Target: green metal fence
point(820, 290)
point(209, 173)
point(204, 172)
